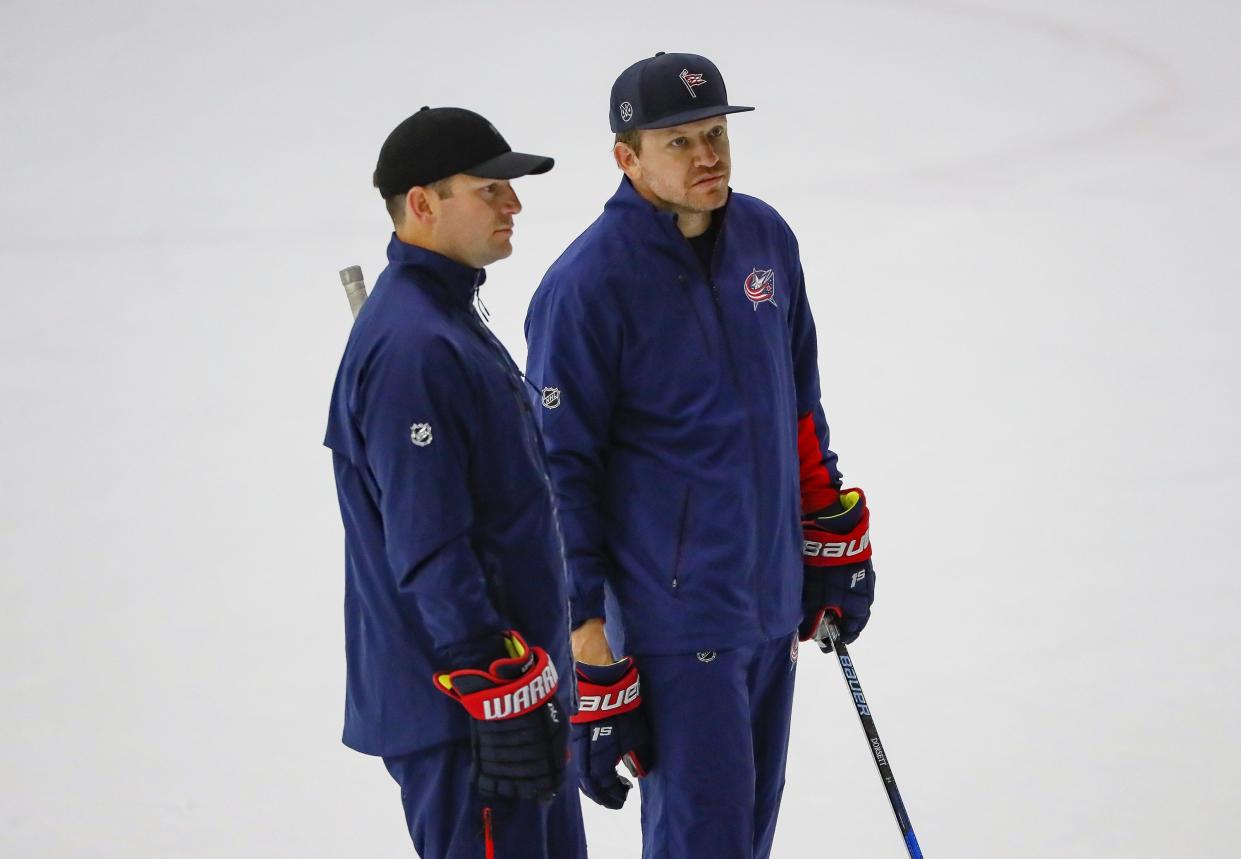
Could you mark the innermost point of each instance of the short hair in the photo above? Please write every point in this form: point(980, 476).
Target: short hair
point(631, 138)
point(396, 208)
point(442, 187)
point(396, 203)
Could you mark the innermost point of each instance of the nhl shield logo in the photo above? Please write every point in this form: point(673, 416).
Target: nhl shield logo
point(420, 434)
point(760, 286)
point(551, 398)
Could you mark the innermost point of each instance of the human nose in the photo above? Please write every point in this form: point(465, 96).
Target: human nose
point(706, 156)
point(510, 205)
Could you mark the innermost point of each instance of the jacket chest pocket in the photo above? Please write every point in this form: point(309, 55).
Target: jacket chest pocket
point(681, 539)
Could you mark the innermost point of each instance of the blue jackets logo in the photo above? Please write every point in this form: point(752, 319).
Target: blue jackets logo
point(760, 286)
point(420, 434)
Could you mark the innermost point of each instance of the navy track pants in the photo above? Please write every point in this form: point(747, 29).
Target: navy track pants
point(721, 726)
point(448, 820)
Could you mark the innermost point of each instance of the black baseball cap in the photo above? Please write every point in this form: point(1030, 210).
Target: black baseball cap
point(438, 142)
point(666, 90)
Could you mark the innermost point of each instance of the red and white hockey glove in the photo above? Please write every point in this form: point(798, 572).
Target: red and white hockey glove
point(518, 731)
point(839, 576)
point(610, 727)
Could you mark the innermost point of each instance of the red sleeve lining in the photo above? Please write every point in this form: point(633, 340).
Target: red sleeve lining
point(817, 487)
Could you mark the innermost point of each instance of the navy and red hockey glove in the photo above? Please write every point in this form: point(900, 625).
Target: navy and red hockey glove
point(517, 730)
point(839, 577)
point(609, 727)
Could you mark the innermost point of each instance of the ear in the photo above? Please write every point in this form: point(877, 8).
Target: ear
point(419, 205)
point(627, 160)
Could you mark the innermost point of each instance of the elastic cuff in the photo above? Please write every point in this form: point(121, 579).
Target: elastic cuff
point(582, 610)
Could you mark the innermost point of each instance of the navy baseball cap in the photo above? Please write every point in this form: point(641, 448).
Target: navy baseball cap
point(438, 142)
point(666, 90)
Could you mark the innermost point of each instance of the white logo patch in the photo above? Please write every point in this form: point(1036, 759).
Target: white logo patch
point(706, 656)
point(420, 434)
point(551, 398)
point(626, 111)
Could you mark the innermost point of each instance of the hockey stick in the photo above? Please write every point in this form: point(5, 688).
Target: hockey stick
point(828, 638)
point(355, 287)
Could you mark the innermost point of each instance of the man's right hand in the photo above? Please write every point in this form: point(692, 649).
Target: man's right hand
point(609, 727)
point(590, 645)
point(518, 732)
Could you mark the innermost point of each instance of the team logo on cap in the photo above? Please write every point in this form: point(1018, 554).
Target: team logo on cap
point(760, 286)
point(626, 111)
point(691, 81)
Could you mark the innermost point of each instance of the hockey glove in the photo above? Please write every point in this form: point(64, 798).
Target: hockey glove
point(517, 730)
point(839, 577)
point(610, 726)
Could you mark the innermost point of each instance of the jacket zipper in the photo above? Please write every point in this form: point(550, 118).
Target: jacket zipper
point(732, 362)
point(517, 387)
point(517, 384)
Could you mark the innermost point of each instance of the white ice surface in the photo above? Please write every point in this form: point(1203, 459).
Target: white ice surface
point(1021, 227)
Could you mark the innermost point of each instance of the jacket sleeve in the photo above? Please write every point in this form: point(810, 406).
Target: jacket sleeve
point(575, 348)
point(820, 476)
point(413, 408)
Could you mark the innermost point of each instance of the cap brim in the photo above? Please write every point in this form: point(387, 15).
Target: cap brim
point(693, 116)
point(510, 165)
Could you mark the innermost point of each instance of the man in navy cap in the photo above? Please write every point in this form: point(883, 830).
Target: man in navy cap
point(456, 634)
point(706, 525)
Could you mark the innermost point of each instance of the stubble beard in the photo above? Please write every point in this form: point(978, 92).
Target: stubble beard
point(694, 202)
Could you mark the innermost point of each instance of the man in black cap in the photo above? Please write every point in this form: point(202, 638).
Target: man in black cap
point(455, 604)
point(706, 528)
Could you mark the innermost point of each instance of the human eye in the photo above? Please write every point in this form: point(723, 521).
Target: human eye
point(677, 142)
point(717, 131)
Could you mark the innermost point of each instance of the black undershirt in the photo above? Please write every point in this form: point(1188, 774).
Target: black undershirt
point(704, 245)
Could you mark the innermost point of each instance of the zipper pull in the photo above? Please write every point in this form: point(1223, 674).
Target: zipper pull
point(479, 307)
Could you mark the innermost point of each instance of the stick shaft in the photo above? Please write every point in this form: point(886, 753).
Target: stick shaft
point(827, 632)
point(355, 288)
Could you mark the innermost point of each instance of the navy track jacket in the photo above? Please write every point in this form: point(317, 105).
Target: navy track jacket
point(450, 533)
point(682, 424)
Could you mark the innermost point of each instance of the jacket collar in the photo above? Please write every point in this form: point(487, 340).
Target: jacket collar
point(629, 203)
point(453, 280)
